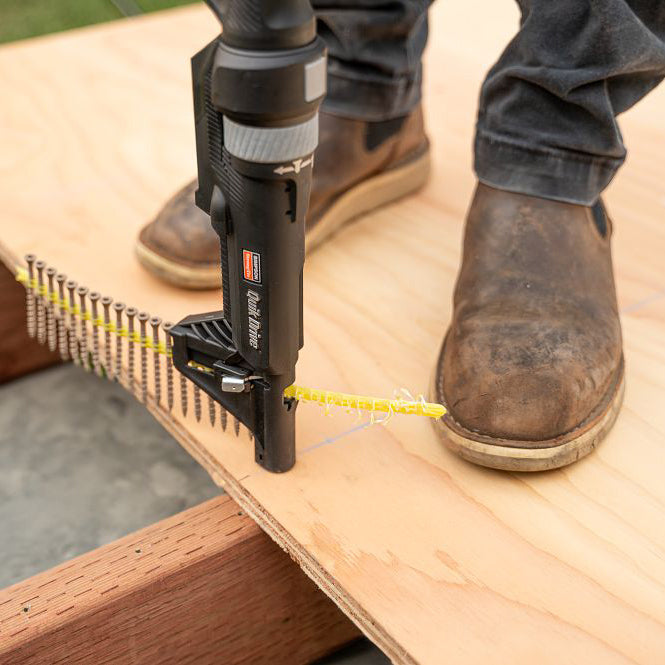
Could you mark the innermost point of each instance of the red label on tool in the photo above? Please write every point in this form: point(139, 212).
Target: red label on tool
point(251, 262)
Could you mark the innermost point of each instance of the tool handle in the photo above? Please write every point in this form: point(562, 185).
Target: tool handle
point(265, 24)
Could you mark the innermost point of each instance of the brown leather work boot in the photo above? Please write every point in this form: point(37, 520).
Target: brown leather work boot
point(532, 368)
point(358, 166)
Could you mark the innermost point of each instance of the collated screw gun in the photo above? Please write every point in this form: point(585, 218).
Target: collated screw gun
point(257, 91)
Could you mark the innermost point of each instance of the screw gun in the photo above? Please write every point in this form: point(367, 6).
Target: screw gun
point(257, 92)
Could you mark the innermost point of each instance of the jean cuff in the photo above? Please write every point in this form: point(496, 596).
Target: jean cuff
point(372, 100)
point(549, 173)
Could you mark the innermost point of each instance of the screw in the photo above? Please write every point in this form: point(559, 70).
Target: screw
point(41, 323)
point(169, 365)
point(50, 311)
point(236, 426)
point(106, 304)
point(156, 322)
point(212, 412)
point(183, 395)
point(131, 313)
point(197, 403)
point(94, 300)
point(30, 303)
point(82, 292)
point(222, 418)
point(143, 319)
point(73, 341)
point(62, 329)
point(119, 308)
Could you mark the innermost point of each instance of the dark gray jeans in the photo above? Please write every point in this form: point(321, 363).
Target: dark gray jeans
point(547, 115)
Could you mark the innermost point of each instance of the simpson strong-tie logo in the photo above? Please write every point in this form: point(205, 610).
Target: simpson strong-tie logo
point(251, 262)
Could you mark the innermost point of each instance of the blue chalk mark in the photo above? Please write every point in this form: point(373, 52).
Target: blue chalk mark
point(332, 439)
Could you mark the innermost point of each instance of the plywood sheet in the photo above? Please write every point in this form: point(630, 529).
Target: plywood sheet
point(436, 560)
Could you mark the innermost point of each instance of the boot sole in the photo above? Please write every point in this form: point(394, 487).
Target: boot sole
point(507, 455)
point(197, 279)
point(370, 194)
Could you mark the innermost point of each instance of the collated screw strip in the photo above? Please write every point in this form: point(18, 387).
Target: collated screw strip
point(50, 325)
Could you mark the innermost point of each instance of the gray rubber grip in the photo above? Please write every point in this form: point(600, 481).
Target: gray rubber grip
point(268, 145)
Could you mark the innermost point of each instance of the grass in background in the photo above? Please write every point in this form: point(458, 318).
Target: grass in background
point(20, 19)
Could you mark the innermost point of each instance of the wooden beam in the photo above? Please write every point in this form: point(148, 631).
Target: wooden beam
point(204, 586)
point(19, 354)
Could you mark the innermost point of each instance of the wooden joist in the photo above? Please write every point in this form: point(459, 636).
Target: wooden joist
point(204, 586)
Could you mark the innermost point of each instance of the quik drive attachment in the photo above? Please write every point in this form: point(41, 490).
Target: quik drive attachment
point(257, 91)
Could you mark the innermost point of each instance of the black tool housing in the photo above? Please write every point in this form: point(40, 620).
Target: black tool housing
point(257, 90)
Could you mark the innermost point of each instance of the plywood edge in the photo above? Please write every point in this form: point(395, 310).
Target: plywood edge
point(372, 629)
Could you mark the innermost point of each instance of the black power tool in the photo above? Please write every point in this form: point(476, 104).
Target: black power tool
point(257, 91)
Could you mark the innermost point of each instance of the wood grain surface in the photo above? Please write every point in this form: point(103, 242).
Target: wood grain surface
point(436, 560)
point(205, 586)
